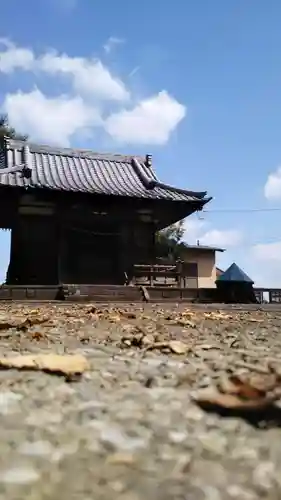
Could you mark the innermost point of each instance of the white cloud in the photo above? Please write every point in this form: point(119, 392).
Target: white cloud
point(268, 252)
point(227, 238)
point(266, 260)
point(12, 57)
point(89, 84)
point(272, 188)
point(193, 229)
point(52, 120)
point(150, 122)
point(89, 76)
point(111, 43)
point(198, 230)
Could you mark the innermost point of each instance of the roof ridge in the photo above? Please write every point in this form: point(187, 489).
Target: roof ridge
point(71, 152)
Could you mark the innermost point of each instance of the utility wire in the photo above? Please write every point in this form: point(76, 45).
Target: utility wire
point(241, 210)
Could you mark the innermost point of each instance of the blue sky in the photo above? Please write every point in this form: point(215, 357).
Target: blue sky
point(194, 83)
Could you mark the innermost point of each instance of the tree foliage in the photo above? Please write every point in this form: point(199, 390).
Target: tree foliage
point(169, 241)
point(7, 131)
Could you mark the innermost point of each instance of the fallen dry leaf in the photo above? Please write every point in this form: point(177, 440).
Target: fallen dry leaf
point(52, 363)
point(114, 318)
point(185, 322)
point(38, 336)
point(208, 346)
point(213, 400)
point(22, 323)
point(237, 394)
point(217, 316)
point(188, 312)
point(236, 386)
point(174, 346)
point(128, 314)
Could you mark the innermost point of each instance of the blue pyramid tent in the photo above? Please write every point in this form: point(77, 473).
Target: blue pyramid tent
point(235, 274)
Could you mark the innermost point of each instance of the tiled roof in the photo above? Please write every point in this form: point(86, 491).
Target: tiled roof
point(87, 172)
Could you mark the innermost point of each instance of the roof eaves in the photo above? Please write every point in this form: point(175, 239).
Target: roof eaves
point(152, 183)
point(204, 248)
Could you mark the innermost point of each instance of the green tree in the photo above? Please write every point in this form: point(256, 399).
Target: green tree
point(174, 232)
point(7, 131)
point(168, 241)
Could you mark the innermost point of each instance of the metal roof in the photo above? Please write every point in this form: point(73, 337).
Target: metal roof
point(234, 273)
point(86, 172)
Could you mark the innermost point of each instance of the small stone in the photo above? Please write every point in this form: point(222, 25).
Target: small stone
point(195, 414)
point(8, 402)
point(19, 475)
point(213, 442)
point(64, 451)
point(263, 476)
point(237, 492)
point(147, 340)
point(63, 390)
point(211, 493)
point(90, 405)
point(244, 453)
point(36, 449)
point(182, 465)
point(153, 362)
point(177, 437)
point(178, 347)
point(121, 459)
point(114, 436)
point(117, 486)
point(42, 418)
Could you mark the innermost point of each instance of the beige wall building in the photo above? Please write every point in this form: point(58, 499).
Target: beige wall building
point(201, 266)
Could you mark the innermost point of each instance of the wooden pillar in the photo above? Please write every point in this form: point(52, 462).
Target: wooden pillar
point(13, 272)
point(143, 243)
point(61, 255)
point(153, 242)
point(125, 252)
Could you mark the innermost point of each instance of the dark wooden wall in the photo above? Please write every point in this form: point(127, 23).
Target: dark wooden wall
point(55, 240)
point(33, 258)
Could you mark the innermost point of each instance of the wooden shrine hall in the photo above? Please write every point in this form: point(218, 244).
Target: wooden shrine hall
point(81, 217)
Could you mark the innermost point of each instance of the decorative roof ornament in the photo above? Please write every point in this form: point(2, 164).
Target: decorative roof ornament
point(13, 169)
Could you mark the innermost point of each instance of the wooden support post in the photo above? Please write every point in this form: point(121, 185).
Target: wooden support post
point(179, 273)
point(151, 276)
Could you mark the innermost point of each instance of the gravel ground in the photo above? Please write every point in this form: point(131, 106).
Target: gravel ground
point(129, 428)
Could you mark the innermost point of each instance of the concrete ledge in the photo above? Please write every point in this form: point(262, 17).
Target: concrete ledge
point(9, 292)
point(105, 293)
point(117, 293)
